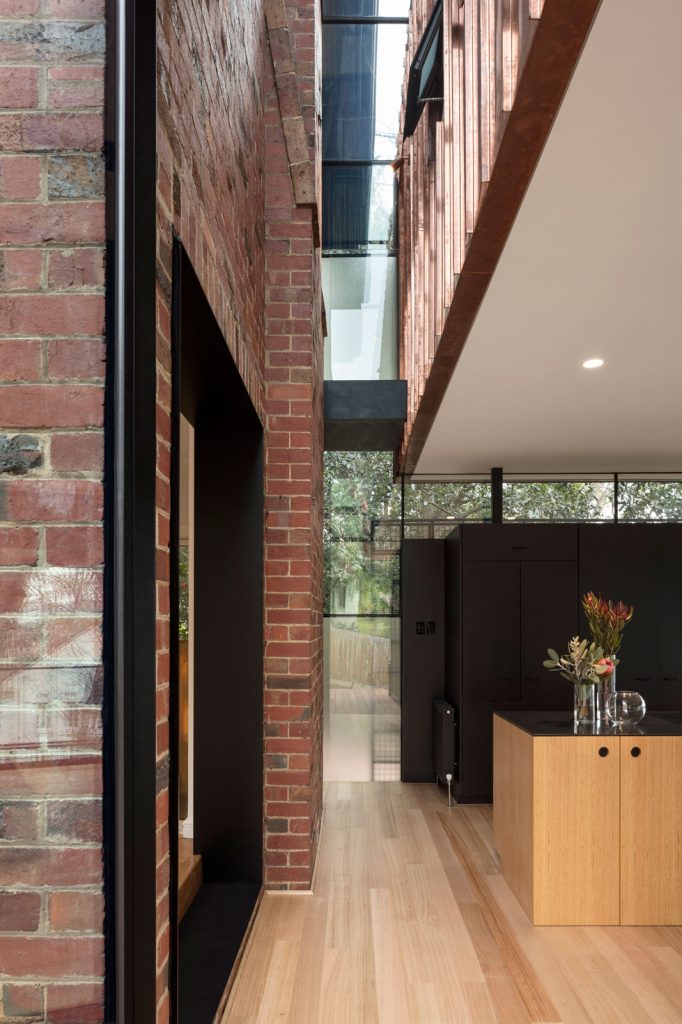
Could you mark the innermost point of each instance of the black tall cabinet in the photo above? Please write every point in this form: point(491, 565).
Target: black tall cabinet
point(510, 591)
point(513, 590)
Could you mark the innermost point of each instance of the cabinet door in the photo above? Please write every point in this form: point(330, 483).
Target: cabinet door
point(475, 779)
point(549, 617)
point(651, 830)
point(621, 562)
point(670, 616)
point(517, 542)
point(576, 824)
point(490, 628)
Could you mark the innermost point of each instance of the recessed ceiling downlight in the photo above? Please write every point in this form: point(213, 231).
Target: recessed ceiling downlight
point(593, 364)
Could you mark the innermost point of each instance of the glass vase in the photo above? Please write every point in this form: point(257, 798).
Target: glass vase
point(584, 704)
point(605, 687)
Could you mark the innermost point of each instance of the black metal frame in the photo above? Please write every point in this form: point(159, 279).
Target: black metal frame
point(417, 94)
point(174, 594)
point(340, 19)
point(130, 516)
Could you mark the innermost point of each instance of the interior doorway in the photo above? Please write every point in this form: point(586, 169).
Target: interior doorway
point(217, 653)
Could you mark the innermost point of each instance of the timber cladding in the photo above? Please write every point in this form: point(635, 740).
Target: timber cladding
point(51, 552)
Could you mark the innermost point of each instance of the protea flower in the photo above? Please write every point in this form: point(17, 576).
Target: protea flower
point(607, 621)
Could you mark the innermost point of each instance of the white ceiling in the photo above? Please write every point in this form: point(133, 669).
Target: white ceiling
point(592, 267)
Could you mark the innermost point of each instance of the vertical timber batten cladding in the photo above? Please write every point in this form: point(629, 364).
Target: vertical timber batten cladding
point(237, 136)
point(52, 231)
point(464, 171)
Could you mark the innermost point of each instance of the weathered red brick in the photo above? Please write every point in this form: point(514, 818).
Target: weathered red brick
point(76, 1003)
point(76, 640)
point(18, 545)
point(77, 452)
point(74, 821)
point(37, 223)
point(75, 911)
point(69, 501)
point(33, 865)
point(74, 545)
point(19, 822)
point(75, 86)
point(51, 957)
point(55, 314)
point(19, 176)
point(74, 727)
point(63, 131)
point(19, 911)
point(21, 269)
point(40, 405)
point(18, 88)
point(82, 267)
point(76, 8)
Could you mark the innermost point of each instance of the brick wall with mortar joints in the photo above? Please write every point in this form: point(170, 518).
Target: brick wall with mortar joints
point(293, 664)
point(210, 192)
point(213, 168)
point(51, 451)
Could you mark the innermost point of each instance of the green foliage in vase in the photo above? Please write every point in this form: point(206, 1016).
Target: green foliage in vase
point(606, 620)
point(584, 662)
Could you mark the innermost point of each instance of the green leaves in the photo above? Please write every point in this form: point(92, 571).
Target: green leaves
point(579, 665)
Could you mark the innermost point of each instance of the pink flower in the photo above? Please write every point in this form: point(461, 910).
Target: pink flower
point(609, 666)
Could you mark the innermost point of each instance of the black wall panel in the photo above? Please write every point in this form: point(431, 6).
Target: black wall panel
point(670, 616)
point(422, 653)
point(621, 562)
point(549, 616)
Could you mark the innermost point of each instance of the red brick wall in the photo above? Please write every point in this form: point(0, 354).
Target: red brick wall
point(220, 152)
point(51, 400)
point(293, 373)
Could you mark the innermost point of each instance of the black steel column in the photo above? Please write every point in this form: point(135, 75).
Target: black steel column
point(496, 480)
point(130, 515)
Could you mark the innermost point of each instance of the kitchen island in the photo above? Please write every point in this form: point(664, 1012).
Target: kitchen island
point(588, 825)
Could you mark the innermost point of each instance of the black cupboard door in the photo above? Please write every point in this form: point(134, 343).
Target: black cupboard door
point(670, 616)
point(621, 562)
point(490, 631)
point(519, 542)
point(549, 618)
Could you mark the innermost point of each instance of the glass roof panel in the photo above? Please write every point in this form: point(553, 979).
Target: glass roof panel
point(366, 8)
point(358, 206)
point(362, 91)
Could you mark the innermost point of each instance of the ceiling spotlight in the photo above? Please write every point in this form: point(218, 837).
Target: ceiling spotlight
point(593, 364)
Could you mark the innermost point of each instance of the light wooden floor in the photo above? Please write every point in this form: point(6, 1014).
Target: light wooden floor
point(411, 923)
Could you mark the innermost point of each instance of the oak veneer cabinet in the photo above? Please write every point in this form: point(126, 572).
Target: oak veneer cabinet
point(589, 827)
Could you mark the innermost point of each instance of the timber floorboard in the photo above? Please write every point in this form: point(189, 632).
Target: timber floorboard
point(411, 923)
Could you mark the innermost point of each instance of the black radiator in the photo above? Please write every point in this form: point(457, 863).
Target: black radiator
point(444, 740)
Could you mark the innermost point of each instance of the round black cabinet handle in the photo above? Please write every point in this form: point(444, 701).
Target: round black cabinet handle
point(635, 751)
point(603, 751)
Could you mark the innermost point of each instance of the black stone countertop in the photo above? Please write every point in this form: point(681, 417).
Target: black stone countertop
point(560, 723)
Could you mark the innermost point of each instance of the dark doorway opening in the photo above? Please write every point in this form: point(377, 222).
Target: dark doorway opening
point(226, 745)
